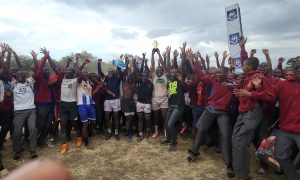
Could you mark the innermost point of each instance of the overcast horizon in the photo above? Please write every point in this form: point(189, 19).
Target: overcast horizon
point(112, 27)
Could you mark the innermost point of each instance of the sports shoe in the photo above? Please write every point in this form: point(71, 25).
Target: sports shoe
point(165, 142)
point(50, 144)
point(140, 138)
point(155, 134)
point(63, 148)
point(192, 156)
point(117, 137)
point(230, 172)
point(261, 171)
point(107, 136)
point(33, 155)
point(128, 137)
point(79, 141)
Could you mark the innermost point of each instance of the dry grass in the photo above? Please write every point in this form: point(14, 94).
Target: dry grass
point(135, 160)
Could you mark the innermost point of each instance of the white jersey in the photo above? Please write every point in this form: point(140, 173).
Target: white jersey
point(84, 93)
point(23, 95)
point(160, 85)
point(68, 91)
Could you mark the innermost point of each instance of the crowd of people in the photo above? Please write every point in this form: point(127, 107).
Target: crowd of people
point(181, 95)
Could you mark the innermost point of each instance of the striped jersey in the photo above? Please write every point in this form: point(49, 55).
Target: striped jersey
point(84, 93)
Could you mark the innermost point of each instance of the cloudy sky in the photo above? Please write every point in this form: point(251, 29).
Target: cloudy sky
point(108, 28)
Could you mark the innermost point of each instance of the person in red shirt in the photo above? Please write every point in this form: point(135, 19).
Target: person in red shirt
point(217, 108)
point(288, 94)
point(255, 88)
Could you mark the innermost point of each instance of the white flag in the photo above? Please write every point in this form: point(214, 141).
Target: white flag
point(234, 32)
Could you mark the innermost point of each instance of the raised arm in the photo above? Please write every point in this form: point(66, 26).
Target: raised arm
point(4, 65)
point(100, 72)
point(19, 65)
point(85, 62)
point(244, 54)
point(225, 55)
point(202, 60)
point(143, 62)
point(35, 62)
point(168, 53)
point(53, 65)
point(69, 60)
point(43, 63)
point(200, 75)
point(252, 52)
point(77, 69)
point(207, 61)
point(152, 68)
point(175, 63)
point(160, 59)
point(269, 62)
point(217, 59)
point(280, 61)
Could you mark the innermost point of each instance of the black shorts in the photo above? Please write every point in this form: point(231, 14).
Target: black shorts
point(68, 111)
point(127, 106)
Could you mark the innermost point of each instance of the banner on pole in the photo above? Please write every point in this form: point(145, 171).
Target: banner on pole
point(234, 32)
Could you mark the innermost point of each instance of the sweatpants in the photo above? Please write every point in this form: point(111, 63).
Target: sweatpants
point(44, 120)
point(6, 122)
point(283, 152)
point(242, 137)
point(20, 117)
point(204, 123)
point(173, 116)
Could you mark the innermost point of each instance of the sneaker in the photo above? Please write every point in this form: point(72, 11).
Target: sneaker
point(107, 136)
point(165, 142)
point(117, 137)
point(63, 148)
point(128, 138)
point(192, 156)
point(140, 138)
point(173, 147)
point(4, 172)
point(182, 130)
point(33, 155)
point(90, 146)
point(50, 144)
point(155, 135)
point(261, 171)
point(230, 172)
point(17, 156)
point(79, 141)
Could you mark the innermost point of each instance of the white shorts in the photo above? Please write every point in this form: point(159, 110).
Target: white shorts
point(141, 107)
point(112, 105)
point(160, 103)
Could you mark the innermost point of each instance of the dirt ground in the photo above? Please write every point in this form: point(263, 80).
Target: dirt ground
point(135, 160)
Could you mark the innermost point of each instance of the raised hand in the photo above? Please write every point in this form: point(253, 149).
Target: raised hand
point(44, 51)
point(225, 54)
point(2, 45)
point(168, 49)
point(99, 61)
point(153, 51)
point(242, 41)
point(34, 54)
point(281, 60)
point(207, 58)
point(252, 52)
point(199, 54)
point(216, 54)
point(266, 52)
point(175, 53)
point(144, 55)
point(183, 48)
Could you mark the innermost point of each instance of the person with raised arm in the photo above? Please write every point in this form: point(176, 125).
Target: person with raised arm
point(218, 105)
point(85, 102)
point(112, 102)
point(160, 89)
point(255, 89)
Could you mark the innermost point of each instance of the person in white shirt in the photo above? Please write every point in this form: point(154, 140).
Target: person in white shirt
point(24, 110)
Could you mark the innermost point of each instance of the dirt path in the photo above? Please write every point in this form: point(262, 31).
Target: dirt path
point(144, 160)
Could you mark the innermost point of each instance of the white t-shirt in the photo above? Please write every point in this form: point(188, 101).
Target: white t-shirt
point(84, 93)
point(23, 95)
point(160, 85)
point(1, 91)
point(68, 91)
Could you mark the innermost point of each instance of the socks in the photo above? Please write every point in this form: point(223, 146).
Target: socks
point(141, 133)
point(116, 131)
point(109, 131)
point(156, 128)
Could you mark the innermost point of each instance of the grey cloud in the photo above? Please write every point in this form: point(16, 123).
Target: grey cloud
point(123, 33)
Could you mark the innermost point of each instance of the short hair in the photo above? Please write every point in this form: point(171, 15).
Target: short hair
point(253, 62)
point(225, 69)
